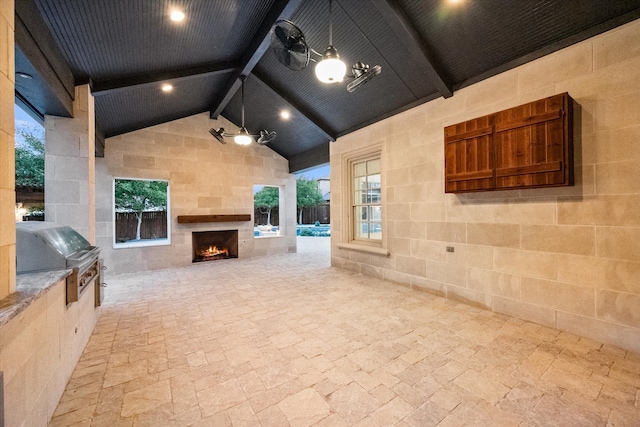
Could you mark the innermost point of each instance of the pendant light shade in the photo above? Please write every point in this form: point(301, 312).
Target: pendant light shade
point(243, 137)
point(331, 69)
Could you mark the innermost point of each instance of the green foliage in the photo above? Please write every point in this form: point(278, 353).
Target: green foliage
point(139, 196)
point(268, 197)
point(307, 232)
point(308, 193)
point(36, 209)
point(29, 156)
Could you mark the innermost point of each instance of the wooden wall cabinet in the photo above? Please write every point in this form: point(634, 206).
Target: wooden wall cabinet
point(528, 146)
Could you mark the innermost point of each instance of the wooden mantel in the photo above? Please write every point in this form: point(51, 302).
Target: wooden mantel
point(194, 219)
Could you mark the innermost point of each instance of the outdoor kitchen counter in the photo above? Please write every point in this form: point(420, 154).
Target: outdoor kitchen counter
point(29, 287)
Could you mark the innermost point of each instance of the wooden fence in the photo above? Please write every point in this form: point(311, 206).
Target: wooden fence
point(154, 225)
point(321, 213)
point(310, 215)
point(260, 216)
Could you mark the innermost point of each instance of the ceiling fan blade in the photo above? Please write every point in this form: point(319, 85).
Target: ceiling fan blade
point(266, 137)
point(282, 36)
point(218, 134)
point(298, 47)
point(288, 44)
point(364, 77)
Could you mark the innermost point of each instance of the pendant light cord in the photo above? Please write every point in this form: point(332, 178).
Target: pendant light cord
point(330, 25)
point(243, 78)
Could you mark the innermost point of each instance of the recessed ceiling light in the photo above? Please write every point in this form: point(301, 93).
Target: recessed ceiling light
point(167, 87)
point(24, 75)
point(285, 115)
point(176, 15)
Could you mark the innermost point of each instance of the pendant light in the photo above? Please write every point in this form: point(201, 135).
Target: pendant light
point(331, 69)
point(243, 137)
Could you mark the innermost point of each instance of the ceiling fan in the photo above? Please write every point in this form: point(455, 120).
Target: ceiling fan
point(243, 137)
point(291, 49)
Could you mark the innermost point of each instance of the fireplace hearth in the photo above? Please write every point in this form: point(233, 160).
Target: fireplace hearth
point(214, 245)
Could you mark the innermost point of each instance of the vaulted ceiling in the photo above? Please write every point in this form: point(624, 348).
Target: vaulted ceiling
point(427, 49)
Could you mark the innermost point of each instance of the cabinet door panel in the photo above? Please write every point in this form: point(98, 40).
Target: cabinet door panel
point(523, 147)
point(469, 153)
point(534, 135)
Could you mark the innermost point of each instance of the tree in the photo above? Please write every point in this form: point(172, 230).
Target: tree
point(139, 196)
point(29, 156)
point(307, 194)
point(267, 199)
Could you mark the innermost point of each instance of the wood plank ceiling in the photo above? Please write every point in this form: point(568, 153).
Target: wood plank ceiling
point(426, 48)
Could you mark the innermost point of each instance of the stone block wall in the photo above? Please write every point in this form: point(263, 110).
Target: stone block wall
point(70, 168)
point(567, 258)
point(39, 349)
point(7, 151)
point(205, 178)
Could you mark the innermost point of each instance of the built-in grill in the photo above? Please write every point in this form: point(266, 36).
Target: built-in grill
point(43, 246)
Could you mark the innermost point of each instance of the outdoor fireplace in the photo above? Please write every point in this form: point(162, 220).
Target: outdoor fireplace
point(214, 245)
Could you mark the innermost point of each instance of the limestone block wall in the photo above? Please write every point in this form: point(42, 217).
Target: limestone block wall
point(70, 168)
point(39, 350)
point(566, 258)
point(7, 152)
point(205, 178)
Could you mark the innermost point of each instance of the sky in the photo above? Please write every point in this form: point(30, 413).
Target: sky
point(321, 171)
point(22, 117)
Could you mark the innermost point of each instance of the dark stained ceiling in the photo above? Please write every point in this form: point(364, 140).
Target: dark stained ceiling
point(126, 49)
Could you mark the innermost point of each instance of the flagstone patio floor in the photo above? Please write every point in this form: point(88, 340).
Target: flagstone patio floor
point(287, 340)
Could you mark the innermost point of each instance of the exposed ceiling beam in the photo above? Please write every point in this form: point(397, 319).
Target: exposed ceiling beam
point(300, 109)
point(281, 9)
point(389, 114)
point(307, 159)
point(415, 44)
point(159, 76)
point(38, 46)
point(153, 121)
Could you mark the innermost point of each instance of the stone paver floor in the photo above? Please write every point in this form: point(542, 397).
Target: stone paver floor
point(287, 340)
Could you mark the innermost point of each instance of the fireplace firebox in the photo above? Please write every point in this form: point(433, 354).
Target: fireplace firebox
point(214, 245)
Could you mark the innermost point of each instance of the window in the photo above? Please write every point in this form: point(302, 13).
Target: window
point(367, 200)
point(29, 165)
point(266, 210)
point(141, 213)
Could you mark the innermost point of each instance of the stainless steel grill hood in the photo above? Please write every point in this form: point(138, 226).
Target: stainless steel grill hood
point(42, 246)
point(48, 246)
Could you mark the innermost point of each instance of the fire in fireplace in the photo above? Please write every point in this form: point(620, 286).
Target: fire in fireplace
point(214, 245)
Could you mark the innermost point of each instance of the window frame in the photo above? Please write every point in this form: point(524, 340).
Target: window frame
point(146, 242)
point(378, 246)
point(357, 203)
point(281, 195)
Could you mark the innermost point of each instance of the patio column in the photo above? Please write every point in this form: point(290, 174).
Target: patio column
point(69, 169)
point(7, 151)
